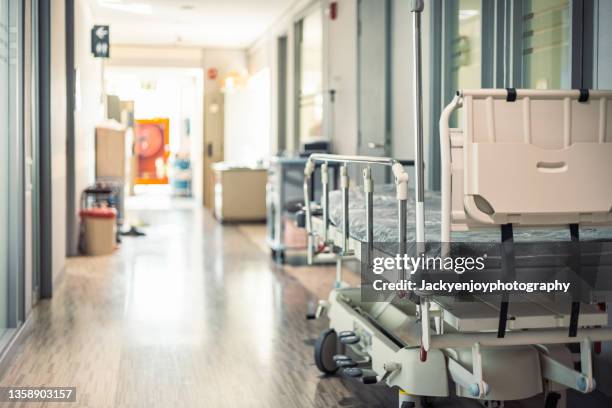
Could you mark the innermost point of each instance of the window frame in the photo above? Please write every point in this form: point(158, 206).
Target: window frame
point(501, 65)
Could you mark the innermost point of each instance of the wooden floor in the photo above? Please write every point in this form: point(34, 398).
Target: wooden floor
point(192, 315)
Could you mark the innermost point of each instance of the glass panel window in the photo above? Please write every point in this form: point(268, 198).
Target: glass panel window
point(5, 127)
point(464, 47)
point(310, 103)
point(546, 44)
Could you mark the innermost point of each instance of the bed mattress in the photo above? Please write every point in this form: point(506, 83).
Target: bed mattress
point(386, 229)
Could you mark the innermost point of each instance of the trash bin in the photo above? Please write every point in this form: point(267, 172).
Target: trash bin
point(99, 225)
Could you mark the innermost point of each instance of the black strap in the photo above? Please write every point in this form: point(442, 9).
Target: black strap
point(584, 95)
point(575, 311)
point(507, 259)
point(511, 97)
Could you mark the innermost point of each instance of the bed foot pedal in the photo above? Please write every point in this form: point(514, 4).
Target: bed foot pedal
point(353, 372)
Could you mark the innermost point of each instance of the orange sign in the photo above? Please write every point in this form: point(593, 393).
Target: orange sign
point(152, 137)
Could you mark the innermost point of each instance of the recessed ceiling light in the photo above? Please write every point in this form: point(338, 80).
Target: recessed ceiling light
point(187, 7)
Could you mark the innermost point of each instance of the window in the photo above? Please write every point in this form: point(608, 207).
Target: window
point(546, 32)
point(9, 186)
point(5, 115)
point(541, 44)
point(465, 57)
point(309, 60)
point(463, 48)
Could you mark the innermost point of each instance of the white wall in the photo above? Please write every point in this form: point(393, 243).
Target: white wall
point(247, 121)
point(58, 136)
point(340, 74)
point(152, 56)
point(224, 61)
point(89, 107)
point(263, 54)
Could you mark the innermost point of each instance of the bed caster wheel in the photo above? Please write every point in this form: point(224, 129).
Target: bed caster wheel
point(348, 337)
point(346, 363)
point(353, 372)
point(343, 361)
point(367, 376)
point(325, 350)
point(552, 400)
point(350, 340)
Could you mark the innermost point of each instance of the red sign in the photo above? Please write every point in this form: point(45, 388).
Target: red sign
point(212, 73)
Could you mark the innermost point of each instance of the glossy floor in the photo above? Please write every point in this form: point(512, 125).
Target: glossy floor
point(192, 315)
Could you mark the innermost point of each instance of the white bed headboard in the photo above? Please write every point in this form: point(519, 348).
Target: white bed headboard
point(528, 157)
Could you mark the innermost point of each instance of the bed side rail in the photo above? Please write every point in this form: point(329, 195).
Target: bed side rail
point(401, 182)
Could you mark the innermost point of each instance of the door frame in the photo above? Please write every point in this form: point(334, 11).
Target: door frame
point(45, 237)
point(385, 173)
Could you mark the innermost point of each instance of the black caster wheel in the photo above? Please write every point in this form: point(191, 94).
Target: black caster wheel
point(325, 348)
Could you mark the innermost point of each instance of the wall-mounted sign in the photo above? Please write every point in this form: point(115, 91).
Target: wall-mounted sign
point(100, 41)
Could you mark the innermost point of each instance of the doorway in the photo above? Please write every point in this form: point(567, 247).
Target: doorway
point(162, 109)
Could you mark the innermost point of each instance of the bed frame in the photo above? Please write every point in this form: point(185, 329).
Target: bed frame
point(554, 151)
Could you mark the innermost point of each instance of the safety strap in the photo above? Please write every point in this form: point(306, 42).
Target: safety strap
point(511, 97)
point(507, 258)
point(575, 311)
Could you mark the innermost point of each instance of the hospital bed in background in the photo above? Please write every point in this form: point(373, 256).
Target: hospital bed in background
point(529, 165)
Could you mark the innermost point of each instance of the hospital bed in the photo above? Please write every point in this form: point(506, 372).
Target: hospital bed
point(525, 164)
point(529, 165)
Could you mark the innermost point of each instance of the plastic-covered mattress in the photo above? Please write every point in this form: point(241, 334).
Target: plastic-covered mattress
point(386, 224)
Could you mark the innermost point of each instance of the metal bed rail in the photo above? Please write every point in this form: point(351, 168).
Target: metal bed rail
point(401, 182)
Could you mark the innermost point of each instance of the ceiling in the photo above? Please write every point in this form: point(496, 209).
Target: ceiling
point(206, 23)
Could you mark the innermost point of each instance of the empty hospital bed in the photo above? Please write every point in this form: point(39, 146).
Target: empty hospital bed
point(525, 165)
